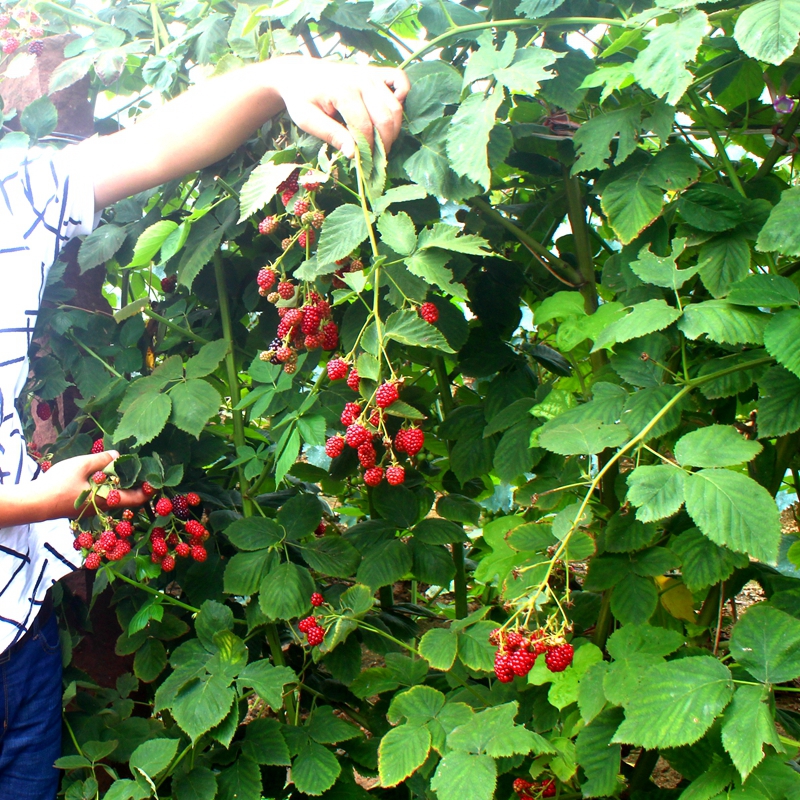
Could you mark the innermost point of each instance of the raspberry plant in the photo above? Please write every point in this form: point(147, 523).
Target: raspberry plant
point(476, 443)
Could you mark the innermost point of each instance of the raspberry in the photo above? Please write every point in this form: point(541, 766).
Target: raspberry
point(429, 312)
point(287, 196)
point(321, 528)
point(36, 48)
point(514, 640)
point(311, 186)
point(75, 545)
point(180, 507)
point(305, 625)
point(558, 658)
point(400, 442)
point(324, 308)
point(315, 636)
point(372, 477)
point(522, 661)
point(317, 599)
point(164, 507)
point(290, 369)
point(395, 475)
point(286, 243)
point(199, 553)
point(283, 354)
point(107, 540)
point(495, 637)
point(375, 417)
point(168, 564)
point(173, 540)
point(306, 237)
point(148, 490)
point(366, 455)
point(97, 447)
point(283, 331)
point(35, 32)
point(193, 499)
point(549, 788)
point(356, 435)
point(337, 369)
point(356, 265)
point(168, 284)
point(502, 668)
point(10, 44)
point(45, 465)
point(157, 533)
point(123, 529)
point(330, 334)
point(92, 561)
point(292, 317)
point(194, 528)
point(266, 278)
point(182, 550)
point(85, 540)
point(350, 413)
point(537, 644)
point(301, 206)
point(413, 439)
point(353, 380)
point(312, 316)
point(127, 515)
point(318, 219)
point(4, 20)
point(334, 446)
point(114, 499)
point(521, 785)
point(43, 411)
point(156, 559)
point(273, 297)
point(386, 395)
point(286, 290)
point(268, 225)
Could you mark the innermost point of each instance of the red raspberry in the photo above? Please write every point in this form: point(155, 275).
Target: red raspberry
point(123, 529)
point(502, 668)
point(337, 369)
point(521, 785)
point(301, 206)
point(313, 341)
point(156, 559)
point(268, 225)
point(182, 550)
point(43, 411)
point(317, 219)
point(194, 528)
point(99, 477)
point(395, 475)
point(127, 515)
point(266, 278)
point(324, 308)
point(330, 334)
point(180, 507)
point(193, 499)
point(386, 395)
point(306, 237)
point(311, 186)
point(514, 640)
point(168, 564)
point(199, 553)
point(45, 465)
point(75, 545)
point(97, 447)
point(283, 330)
point(400, 441)
point(558, 658)
point(350, 413)
point(537, 642)
point(107, 540)
point(164, 507)
point(413, 439)
point(283, 354)
point(114, 499)
point(356, 435)
point(372, 477)
point(173, 539)
point(85, 540)
point(334, 446)
point(429, 312)
point(366, 455)
point(321, 528)
point(92, 561)
point(522, 662)
point(157, 533)
point(305, 625)
point(148, 490)
point(375, 417)
point(317, 599)
point(35, 32)
point(168, 284)
point(315, 636)
point(10, 44)
point(287, 196)
point(353, 380)
point(312, 316)
point(293, 317)
point(549, 788)
point(286, 290)
point(4, 20)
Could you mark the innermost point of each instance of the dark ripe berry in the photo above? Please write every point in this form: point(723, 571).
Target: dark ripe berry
point(123, 529)
point(301, 206)
point(157, 533)
point(10, 45)
point(97, 447)
point(502, 668)
point(45, 465)
point(318, 219)
point(521, 785)
point(548, 788)
point(330, 337)
point(107, 540)
point(286, 290)
point(395, 475)
point(266, 278)
point(353, 380)
point(85, 540)
point(356, 435)
point(43, 411)
point(182, 550)
point(173, 539)
point(306, 237)
point(522, 662)
point(386, 395)
point(180, 507)
point(193, 499)
point(92, 561)
point(321, 528)
point(168, 564)
point(114, 499)
point(315, 636)
point(168, 284)
point(164, 507)
point(413, 440)
point(337, 369)
point(268, 225)
point(194, 528)
point(99, 477)
point(317, 599)
point(366, 455)
point(350, 413)
point(199, 553)
point(373, 476)
point(429, 312)
point(148, 490)
point(305, 625)
point(558, 658)
point(75, 545)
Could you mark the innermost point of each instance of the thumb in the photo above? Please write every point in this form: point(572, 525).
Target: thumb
point(319, 124)
point(99, 461)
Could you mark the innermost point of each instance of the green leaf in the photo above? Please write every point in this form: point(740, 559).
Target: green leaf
point(782, 339)
point(240, 781)
point(201, 704)
point(458, 508)
point(746, 726)
point(448, 237)
point(153, 757)
point(194, 402)
point(643, 407)
point(384, 564)
point(657, 491)
point(434, 85)
point(591, 699)
point(201, 244)
point(676, 703)
point(145, 418)
point(663, 271)
point(768, 31)
point(715, 446)
point(598, 757)
point(634, 600)
point(593, 139)
point(439, 647)
point(213, 618)
point(527, 70)
point(398, 231)
point(584, 438)
point(735, 511)
point(461, 775)
point(300, 515)
point(764, 291)
point(429, 265)
point(39, 117)
point(407, 327)
point(344, 230)
point(150, 241)
point(560, 305)
point(100, 246)
point(514, 456)
point(264, 743)
point(723, 261)
point(149, 661)
point(285, 591)
point(703, 562)
point(417, 705)
point(331, 555)
point(766, 642)
point(493, 732)
point(245, 571)
point(469, 136)
point(315, 769)
point(254, 533)
point(326, 728)
point(711, 207)
point(261, 186)
point(724, 322)
point(711, 783)
point(402, 751)
point(779, 403)
point(633, 640)
point(207, 360)
point(438, 531)
point(267, 680)
point(199, 784)
point(647, 317)
point(486, 59)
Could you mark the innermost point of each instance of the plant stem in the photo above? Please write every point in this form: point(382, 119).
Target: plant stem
point(167, 323)
point(778, 149)
point(149, 589)
point(91, 352)
point(640, 776)
point(604, 621)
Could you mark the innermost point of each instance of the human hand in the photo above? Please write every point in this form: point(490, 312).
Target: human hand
point(315, 91)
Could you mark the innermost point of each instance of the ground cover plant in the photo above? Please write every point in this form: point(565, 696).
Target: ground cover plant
point(457, 455)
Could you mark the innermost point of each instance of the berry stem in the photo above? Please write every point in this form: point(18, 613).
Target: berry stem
point(70, 335)
point(173, 327)
point(161, 595)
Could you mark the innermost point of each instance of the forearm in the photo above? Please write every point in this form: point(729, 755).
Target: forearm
point(25, 503)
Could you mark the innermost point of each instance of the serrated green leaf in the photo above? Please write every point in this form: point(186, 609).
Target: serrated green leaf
point(768, 31)
point(285, 591)
point(398, 231)
point(766, 642)
point(528, 68)
point(407, 327)
point(663, 271)
point(703, 562)
point(150, 241)
point(144, 418)
point(461, 775)
point(194, 402)
point(261, 186)
point(586, 438)
point(207, 360)
point(598, 757)
point(647, 317)
point(715, 446)
point(402, 751)
point(593, 139)
point(634, 600)
point(657, 491)
point(747, 726)
point(201, 704)
point(439, 647)
point(782, 339)
point(633, 640)
point(468, 137)
point(723, 261)
point(100, 245)
point(778, 403)
point(764, 291)
point(724, 322)
point(240, 781)
point(153, 757)
point(344, 230)
point(268, 681)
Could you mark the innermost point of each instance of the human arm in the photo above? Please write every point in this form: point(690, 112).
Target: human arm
point(211, 120)
point(53, 494)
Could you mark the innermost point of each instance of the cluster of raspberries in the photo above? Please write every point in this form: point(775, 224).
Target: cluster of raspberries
point(111, 543)
point(310, 626)
point(303, 213)
point(167, 540)
point(517, 652)
point(529, 790)
point(27, 28)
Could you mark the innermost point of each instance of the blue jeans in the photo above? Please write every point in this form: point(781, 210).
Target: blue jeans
point(30, 708)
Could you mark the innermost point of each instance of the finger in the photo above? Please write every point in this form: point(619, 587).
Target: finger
point(399, 82)
point(385, 112)
point(351, 107)
point(130, 498)
point(97, 461)
point(316, 122)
